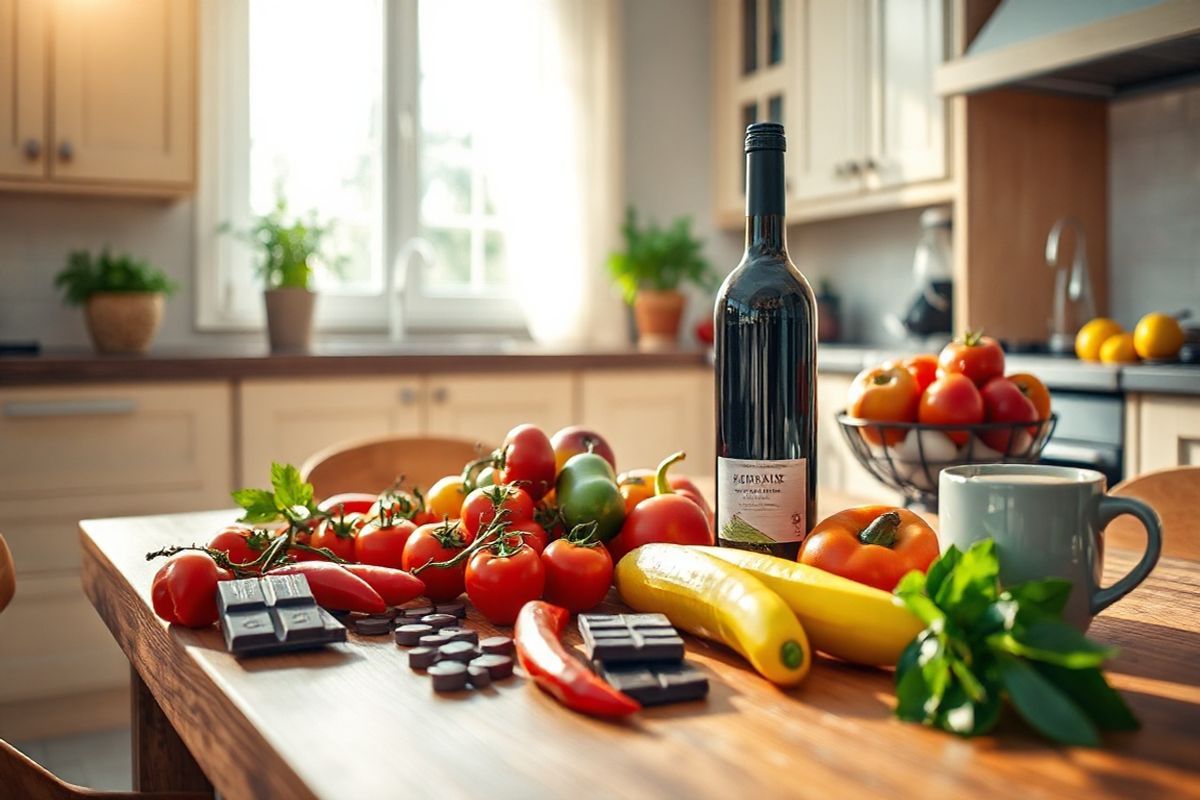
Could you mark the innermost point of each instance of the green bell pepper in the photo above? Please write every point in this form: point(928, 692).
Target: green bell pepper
point(587, 492)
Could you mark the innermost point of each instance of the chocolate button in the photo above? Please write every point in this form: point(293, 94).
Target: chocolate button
point(457, 651)
point(497, 645)
point(434, 640)
point(453, 609)
point(410, 634)
point(416, 612)
point(421, 657)
point(448, 676)
point(371, 626)
point(461, 635)
point(498, 667)
point(439, 620)
point(479, 676)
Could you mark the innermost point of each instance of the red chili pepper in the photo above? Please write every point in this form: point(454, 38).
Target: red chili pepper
point(552, 667)
point(395, 586)
point(335, 587)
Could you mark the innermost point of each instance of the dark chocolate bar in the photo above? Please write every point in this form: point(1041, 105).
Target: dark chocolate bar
point(629, 638)
point(275, 614)
point(655, 684)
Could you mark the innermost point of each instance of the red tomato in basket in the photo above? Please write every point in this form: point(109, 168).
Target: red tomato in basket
point(952, 400)
point(1003, 401)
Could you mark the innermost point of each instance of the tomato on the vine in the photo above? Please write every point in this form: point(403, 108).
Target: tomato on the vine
point(337, 534)
point(482, 505)
point(578, 573)
point(527, 458)
point(348, 503)
point(529, 532)
point(499, 580)
point(381, 542)
point(439, 541)
point(241, 544)
point(978, 357)
point(185, 589)
point(445, 498)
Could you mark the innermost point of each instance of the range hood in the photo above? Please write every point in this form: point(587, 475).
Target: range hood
point(1103, 48)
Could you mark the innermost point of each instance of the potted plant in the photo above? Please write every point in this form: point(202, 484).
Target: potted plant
point(122, 298)
point(655, 263)
point(289, 248)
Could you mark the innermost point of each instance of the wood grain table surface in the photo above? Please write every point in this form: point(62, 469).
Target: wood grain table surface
point(353, 721)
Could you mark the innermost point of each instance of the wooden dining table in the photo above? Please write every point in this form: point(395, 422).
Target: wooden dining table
point(353, 721)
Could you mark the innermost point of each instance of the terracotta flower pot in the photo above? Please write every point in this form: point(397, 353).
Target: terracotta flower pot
point(289, 319)
point(658, 314)
point(123, 322)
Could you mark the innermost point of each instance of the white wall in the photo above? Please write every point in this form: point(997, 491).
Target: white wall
point(1154, 205)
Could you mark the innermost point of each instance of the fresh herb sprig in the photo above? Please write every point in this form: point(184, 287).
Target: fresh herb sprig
point(290, 499)
point(986, 643)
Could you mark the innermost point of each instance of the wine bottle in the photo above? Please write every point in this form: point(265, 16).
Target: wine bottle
point(766, 373)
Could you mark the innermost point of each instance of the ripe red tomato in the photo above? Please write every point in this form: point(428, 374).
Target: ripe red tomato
point(952, 400)
point(185, 589)
point(534, 535)
point(977, 356)
point(1003, 401)
point(240, 543)
point(1035, 390)
point(573, 440)
point(499, 584)
point(923, 368)
point(577, 576)
point(670, 518)
point(383, 544)
point(479, 509)
point(527, 457)
point(350, 503)
point(439, 541)
point(884, 394)
point(337, 534)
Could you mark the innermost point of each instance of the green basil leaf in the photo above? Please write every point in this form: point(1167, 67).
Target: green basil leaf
point(1054, 642)
point(290, 490)
point(961, 715)
point(1047, 596)
point(940, 568)
point(922, 675)
point(971, 586)
point(998, 617)
point(923, 608)
point(912, 583)
point(259, 505)
point(1047, 709)
point(1091, 692)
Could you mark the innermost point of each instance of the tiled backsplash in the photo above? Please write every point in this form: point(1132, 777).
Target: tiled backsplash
point(1154, 210)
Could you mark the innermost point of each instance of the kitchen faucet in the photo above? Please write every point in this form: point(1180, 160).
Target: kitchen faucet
point(1073, 303)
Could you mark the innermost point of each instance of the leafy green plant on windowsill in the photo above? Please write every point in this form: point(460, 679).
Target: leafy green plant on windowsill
point(288, 247)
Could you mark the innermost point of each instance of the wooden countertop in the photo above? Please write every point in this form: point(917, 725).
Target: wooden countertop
point(353, 721)
point(327, 360)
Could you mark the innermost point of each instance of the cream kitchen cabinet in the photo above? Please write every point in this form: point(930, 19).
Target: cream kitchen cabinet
point(1163, 431)
point(837, 468)
point(485, 407)
point(73, 452)
point(100, 97)
point(646, 416)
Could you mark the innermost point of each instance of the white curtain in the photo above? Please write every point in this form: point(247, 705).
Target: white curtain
point(553, 140)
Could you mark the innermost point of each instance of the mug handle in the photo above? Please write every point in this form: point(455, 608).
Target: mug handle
point(1110, 509)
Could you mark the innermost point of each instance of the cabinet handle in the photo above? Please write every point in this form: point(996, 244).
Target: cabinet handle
point(440, 395)
point(32, 149)
point(408, 396)
point(65, 151)
point(870, 165)
point(847, 169)
point(112, 407)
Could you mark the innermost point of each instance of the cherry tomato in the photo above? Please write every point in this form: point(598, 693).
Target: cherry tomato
point(383, 544)
point(952, 400)
point(445, 498)
point(337, 534)
point(1003, 401)
point(977, 356)
point(534, 535)
point(1035, 390)
point(240, 543)
point(498, 584)
point(437, 542)
point(527, 457)
point(884, 394)
point(577, 575)
point(479, 509)
point(350, 502)
point(185, 589)
point(923, 368)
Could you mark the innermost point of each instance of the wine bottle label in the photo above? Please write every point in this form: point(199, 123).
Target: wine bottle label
point(762, 502)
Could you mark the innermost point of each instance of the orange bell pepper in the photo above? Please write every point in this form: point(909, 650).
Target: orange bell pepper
point(872, 545)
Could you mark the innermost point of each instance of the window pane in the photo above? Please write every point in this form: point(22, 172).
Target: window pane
point(775, 40)
point(316, 105)
point(495, 260)
point(452, 258)
point(775, 109)
point(749, 36)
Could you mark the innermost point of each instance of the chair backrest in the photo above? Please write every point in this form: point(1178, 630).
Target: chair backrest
point(373, 465)
point(1175, 494)
point(8, 574)
point(28, 780)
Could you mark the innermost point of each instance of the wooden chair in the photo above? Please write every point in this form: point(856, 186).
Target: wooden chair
point(373, 465)
point(22, 777)
point(1175, 494)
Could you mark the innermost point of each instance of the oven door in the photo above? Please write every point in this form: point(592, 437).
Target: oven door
point(1090, 433)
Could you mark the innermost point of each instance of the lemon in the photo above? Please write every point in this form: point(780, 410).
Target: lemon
point(1158, 336)
point(1092, 335)
point(1118, 349)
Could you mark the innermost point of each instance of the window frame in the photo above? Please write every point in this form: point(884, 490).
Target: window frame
point(222, 304)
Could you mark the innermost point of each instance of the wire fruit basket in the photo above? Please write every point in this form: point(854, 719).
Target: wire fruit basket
point(909, 456)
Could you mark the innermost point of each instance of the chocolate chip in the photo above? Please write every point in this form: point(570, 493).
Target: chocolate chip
point(421, 657)
point(479, 676)
point(457, 651)
point(439, 620)
point(460, 635)
point(498, 667)
point(372, 626)
point(497, 645)
point(453, 609)
point(448, 676)
point(410, 634)
point(416, 612)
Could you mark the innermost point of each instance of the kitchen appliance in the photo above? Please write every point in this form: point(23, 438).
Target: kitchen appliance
point(1090, 433)
point(931, 311)
point(1073, 302)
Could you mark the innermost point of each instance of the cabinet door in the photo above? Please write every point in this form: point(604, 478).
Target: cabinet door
point(289, 420)
point(907, 122)
point(22, 88)
point(1168, 432)
point(647, 415)
point(829, 150)
point(124, 91)
point(486, 407)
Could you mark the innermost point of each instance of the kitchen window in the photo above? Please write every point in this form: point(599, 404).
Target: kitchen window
point(369, 114)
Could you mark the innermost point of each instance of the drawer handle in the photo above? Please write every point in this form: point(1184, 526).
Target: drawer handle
point(114, 407)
